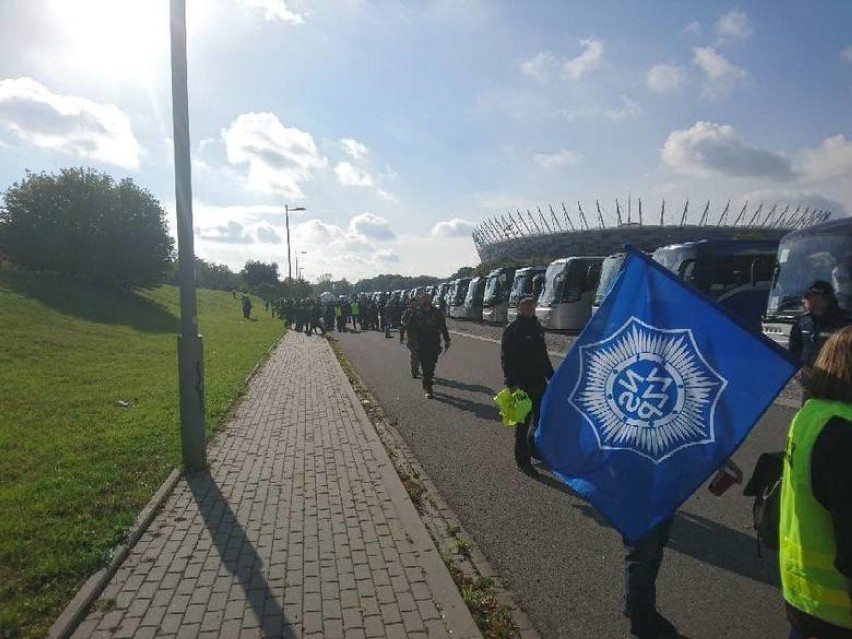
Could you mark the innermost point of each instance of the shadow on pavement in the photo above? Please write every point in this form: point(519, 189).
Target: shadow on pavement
point(473, 388)
point(238, 554)
point(710, 543)
point(483, 411)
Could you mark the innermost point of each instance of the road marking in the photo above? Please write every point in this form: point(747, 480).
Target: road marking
point(495, 341)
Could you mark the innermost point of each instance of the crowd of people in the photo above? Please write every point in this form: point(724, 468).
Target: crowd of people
point(815, 527)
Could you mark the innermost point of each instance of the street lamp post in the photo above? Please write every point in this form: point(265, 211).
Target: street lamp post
point(190, 346)
point(287, 210)
point(297, 260)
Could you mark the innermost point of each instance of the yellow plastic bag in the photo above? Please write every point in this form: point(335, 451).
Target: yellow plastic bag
point(514, 407)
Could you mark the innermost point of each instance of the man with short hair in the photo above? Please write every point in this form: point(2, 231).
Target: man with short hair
point(823, 316)
point(526, 365)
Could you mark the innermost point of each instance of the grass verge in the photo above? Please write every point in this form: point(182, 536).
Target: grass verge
point(484, 596)
point(89, 423)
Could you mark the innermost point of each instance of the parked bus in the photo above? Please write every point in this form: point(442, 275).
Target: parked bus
point(609, 269)
point(440, 299)
point(472, 309)
point(528, 283)
point(735, 273)
point(565, 303)
point(820, 252)
point(456, 297)
point(495, 304)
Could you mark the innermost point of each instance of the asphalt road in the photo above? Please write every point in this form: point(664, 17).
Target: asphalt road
point(563, 562)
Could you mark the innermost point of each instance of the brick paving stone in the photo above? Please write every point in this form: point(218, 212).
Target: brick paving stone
point(300, 528)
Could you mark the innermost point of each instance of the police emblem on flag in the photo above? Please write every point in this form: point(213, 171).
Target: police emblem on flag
point(647, 390)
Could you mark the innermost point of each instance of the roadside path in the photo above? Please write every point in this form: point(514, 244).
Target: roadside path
point(300, 528)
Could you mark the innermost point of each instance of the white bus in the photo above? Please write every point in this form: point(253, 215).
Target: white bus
point(495, 305)
point(456, 297)
point(609, 269)
point(565, 303)
point(528, 283)
point(820, 252)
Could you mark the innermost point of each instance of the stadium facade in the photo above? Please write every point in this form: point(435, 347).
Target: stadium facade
point(556, 233)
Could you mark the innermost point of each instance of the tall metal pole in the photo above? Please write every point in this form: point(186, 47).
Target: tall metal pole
point(287, 222)
point(190, 346)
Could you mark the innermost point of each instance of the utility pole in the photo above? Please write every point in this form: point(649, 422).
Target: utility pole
point(190, 346)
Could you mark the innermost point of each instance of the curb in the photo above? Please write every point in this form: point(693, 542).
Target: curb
point(457, 617)
point(442, 518)
point(71, 616)
point(74, 612)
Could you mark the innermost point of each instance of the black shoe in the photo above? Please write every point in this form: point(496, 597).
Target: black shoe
point(528, 469)
point(430, 395)
point(415, 376)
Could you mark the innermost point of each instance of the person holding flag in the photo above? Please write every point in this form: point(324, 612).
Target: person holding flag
point(656, 393)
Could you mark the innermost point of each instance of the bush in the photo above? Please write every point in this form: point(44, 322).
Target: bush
point(83, 223)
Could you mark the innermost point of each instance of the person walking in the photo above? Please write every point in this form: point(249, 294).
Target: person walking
point(815, 531)
point(427, 325)
point(409, 338)
point(246, 301)
point(526, 365)
point(823, 316)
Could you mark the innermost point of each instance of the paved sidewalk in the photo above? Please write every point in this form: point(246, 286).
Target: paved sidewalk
point(301, 528)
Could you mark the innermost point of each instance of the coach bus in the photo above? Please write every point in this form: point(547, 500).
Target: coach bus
point(456, 297)
point(820, 252)
point(528, 283)
point(609, 269)
point(734, 273)
point(565, 303)
point(472, 308)
point(495, 304)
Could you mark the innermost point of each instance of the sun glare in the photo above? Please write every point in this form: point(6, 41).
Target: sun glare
point(120, 39)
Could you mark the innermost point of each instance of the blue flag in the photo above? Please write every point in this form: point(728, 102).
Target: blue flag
point(659, 389)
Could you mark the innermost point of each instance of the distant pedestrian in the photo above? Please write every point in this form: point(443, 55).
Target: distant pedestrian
point(526, 365)
point(428, 326)
point(246, 301)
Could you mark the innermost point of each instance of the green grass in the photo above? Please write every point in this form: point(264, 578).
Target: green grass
point(75, 466)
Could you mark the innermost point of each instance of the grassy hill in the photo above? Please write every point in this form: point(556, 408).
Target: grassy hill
point(89, 422)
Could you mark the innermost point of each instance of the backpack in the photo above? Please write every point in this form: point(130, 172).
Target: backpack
point(765, 487)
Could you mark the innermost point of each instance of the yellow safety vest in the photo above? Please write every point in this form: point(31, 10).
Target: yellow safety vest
point(810, 582)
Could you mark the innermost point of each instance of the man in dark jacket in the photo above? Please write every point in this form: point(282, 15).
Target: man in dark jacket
point(526, 365)
point(426, 325)
point(822, 318)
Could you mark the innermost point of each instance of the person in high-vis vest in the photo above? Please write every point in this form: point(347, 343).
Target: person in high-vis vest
point(815, 551)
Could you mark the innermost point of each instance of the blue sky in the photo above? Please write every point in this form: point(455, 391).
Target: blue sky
point(400, 125)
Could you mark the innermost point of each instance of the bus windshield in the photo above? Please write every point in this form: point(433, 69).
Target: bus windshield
point(492, 289)
point(804, 259)
point(554, 283)
point(609, 270)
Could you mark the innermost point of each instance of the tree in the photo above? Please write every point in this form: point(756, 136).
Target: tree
point(255, 273)
point(215, 276)
point(83, 223)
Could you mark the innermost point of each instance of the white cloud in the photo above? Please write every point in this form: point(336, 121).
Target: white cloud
point(372, 227)
point(353, 148)
point(564, 157)
point(229, 233)
point(665, 78)
point(268, 235)
point(348, 175)
point(278, 159)
point(720, 75)
point(846, 54)
point(539, 67)
point(830, 160)
point(708, 149)
point(590, 59)
point(386, 196)
point(629, 110)
point(274, 10)
point(455, 227)
point(732, 26)
point(68, 124)
point(694, 28)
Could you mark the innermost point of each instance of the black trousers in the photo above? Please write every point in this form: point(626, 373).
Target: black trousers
point(428, 360)
point(524, 445)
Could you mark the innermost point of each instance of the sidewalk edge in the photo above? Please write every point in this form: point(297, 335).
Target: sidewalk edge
point(74, 612)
